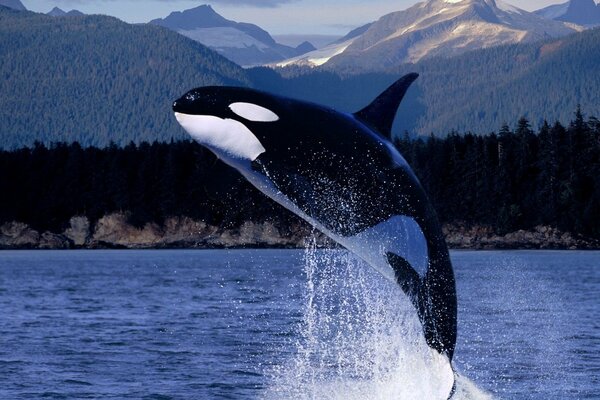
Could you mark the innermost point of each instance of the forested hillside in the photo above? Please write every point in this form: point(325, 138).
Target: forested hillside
point(516, 179)
point(477, 92)
point(95, 79)
point(487, 88)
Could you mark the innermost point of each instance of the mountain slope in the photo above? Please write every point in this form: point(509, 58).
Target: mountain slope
point(96, 79)
point(14, 4)
point(441, 28)
point(477, 91)
point(546, 80)
point(554, 11)
point(581, 12)
point(243, 43)
point(320, 56)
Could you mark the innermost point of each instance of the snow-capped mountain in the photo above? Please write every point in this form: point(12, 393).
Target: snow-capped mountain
point(436, 28)
point(57, 12)
point(581, 12)
point(317, 57)
point(322, 55)
point(554, 11)
point(14, 4)
point(243, 43)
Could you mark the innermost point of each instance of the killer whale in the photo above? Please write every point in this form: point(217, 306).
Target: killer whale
point(341, 173)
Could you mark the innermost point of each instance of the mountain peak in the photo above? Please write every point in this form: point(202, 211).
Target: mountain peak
point(203, 16)
point(204, 9)
point(464, 2)
point(305, 47)
point(582, 12)
point(436, 28)
point(56, 12)
point(242, 42)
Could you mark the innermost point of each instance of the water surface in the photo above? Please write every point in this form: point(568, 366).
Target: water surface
point(234, 324)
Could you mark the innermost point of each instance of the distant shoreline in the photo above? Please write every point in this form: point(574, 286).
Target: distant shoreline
point(115, 232)
point(125, 249)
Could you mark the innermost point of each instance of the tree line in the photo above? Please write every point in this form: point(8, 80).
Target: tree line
point(514, 179)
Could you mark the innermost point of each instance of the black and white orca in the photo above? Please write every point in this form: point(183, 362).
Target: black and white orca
point(342, 174)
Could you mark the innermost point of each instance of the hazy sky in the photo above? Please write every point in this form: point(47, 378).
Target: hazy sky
point(330, 17)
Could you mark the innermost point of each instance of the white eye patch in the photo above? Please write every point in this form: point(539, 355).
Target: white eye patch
point(253, 112)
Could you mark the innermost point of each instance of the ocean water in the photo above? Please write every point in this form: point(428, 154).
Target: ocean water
point(276, 324)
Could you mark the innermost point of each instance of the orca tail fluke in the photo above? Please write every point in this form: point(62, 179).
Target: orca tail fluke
point(381, 112)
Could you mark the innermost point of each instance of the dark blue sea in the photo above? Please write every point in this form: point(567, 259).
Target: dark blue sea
point(277, 324)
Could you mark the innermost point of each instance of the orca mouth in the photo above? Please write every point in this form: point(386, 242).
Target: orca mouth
point(185, 108)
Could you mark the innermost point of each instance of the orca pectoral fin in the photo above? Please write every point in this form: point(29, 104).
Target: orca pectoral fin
point(453, 391)
point(408, 279)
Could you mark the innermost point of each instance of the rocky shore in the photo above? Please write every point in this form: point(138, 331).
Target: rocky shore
point(459, 236)
point(113, 231)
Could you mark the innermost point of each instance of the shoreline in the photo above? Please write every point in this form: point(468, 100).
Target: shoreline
point(114, 232)
point(199, 249)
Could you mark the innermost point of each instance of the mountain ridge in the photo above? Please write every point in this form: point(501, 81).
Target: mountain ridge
point(436, 28)
point(205, 16)
point(241, 42)
point(476, 92)
point(58, 12)
point(98, 80)
point(582, 12)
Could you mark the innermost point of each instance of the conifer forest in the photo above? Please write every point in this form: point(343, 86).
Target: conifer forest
point(517, 178)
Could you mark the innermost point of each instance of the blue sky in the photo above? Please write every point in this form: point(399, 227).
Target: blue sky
point(327, 17)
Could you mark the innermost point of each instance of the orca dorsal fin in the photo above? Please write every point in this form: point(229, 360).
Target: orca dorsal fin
point(408, 279)
point(381, 112)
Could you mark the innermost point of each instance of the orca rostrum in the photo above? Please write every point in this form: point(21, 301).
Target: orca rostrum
point(342, 174)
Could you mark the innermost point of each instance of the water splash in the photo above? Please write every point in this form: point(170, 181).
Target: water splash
point(359, 338)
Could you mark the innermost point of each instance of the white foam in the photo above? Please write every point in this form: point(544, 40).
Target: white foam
point(360, 339)
point(468, 390)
